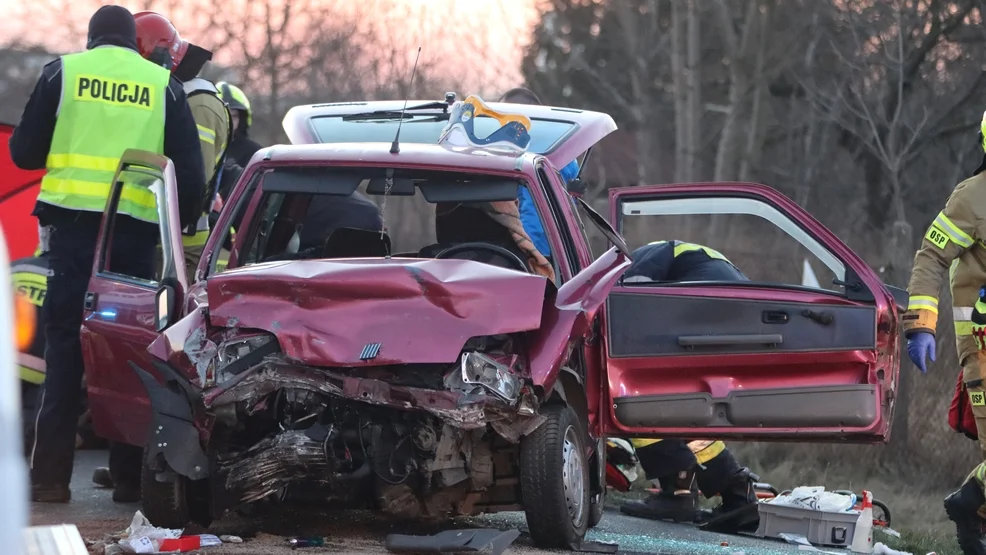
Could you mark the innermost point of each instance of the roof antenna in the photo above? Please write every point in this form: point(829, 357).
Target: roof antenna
point(395, 147)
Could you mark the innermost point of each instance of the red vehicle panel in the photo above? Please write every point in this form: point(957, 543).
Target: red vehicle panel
point(750, 360)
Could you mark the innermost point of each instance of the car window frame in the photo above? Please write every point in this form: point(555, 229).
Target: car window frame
point(543, 171)
point(112, 215)
point(707, 200)
point(243, 203)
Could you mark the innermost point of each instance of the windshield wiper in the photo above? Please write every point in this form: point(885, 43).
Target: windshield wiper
point(396, 114)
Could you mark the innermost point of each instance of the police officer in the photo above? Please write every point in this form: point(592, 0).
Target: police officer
point(682, 467)
point(243, 147)
point(78, 136)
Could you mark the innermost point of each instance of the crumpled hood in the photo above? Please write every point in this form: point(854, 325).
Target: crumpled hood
point(325, 312)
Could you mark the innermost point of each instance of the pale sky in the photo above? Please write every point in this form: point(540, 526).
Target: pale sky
point(495, 30)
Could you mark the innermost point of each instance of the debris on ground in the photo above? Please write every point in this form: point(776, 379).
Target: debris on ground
point(586, 546)
point(313, 541)
point(143, 537)
point(231, 539)
point(881, 549)
point(454, 541)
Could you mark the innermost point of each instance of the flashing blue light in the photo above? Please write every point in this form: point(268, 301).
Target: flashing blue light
point(109, 314)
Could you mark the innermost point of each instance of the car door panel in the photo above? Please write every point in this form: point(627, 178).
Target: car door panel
point(119, 321)
point(740, 325)
point(750, 360)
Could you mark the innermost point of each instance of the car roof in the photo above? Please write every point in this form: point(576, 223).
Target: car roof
point(410, 155)
point(589, 127)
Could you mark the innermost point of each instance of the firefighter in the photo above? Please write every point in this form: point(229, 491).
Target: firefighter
point(78, 136)
point(682, 467)
point(954, 245)
point(243, 147)
point(159, 42)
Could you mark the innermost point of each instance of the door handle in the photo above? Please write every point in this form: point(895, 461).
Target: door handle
point(775, 317)
point(730, 340)
point(823, 318)
point(90, 302)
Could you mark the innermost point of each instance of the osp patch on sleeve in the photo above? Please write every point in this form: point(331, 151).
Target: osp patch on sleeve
point(936, 236)
point(977, 398)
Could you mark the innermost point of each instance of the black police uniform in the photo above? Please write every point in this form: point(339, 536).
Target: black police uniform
point(72, 237)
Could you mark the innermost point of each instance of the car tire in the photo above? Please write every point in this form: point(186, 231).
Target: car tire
point(554, 475)
point(163, 494)
point(597, 502)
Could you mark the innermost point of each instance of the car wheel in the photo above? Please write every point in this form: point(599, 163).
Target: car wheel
point(163, 492)
point(554, 473)
point(597, 501)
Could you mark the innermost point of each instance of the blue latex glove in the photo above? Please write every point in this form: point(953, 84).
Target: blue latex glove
point(920, 346)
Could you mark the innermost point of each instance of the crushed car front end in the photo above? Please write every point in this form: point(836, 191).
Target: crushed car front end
point(401, 394)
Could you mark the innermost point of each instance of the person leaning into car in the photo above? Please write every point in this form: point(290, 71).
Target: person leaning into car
point(528, 212)
point(954, 244)
point(78, 132)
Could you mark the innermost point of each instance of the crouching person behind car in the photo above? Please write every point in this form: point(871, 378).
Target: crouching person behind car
point(682, 468)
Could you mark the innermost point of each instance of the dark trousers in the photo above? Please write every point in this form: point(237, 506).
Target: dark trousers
point(71, 251)
point(665, 459)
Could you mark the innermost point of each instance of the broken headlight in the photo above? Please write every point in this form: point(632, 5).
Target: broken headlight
point(241, 353)
point(497, 378)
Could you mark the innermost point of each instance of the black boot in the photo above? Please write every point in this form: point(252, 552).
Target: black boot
point(677, 500)
point(102, 477)
point(739, 493)
point(962, 508)
point(723, 476)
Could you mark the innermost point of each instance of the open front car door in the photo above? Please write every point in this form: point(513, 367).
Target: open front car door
point(806, 349)
point(130, 300)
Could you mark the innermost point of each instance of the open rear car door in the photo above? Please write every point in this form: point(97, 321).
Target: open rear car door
point(786, 355)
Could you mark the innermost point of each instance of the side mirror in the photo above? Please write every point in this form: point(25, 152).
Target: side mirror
point(164, 302)
point(576, 187)
point(901, 297)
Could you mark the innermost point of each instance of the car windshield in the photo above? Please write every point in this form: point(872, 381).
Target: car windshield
point(426, 129)
point(349, 212)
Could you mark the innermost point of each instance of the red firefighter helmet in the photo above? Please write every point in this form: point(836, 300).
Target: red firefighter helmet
point(159, 41)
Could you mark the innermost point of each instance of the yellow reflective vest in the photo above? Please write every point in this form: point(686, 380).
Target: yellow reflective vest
point(112, 100)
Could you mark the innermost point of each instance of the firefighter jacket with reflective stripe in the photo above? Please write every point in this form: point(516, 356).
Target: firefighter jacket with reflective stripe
point(111, 100)
point(680, 261)
point(704, 450)
point(212, 119)
point(952, 245)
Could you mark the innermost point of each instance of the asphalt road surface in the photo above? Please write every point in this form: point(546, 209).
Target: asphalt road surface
point(96, 516)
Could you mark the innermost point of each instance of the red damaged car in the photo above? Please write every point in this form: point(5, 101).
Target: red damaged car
point(428, 370)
